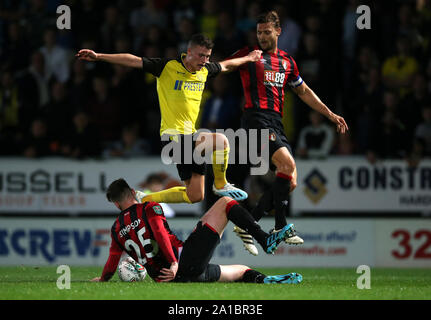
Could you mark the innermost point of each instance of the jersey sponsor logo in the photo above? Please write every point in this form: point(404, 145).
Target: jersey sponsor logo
point(273, 78)
point(189, 86)
point(158, 209)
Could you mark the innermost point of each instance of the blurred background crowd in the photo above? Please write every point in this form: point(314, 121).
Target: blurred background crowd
point(52, 104)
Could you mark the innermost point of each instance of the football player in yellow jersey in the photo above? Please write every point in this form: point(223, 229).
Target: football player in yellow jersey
point(180, 84)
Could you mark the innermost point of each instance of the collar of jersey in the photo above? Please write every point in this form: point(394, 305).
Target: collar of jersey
point(180, 59)
point(263, 52)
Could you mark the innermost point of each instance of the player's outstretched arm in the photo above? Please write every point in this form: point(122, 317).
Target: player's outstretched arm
point(313, 101)
point(231, 64)
point(124, 59)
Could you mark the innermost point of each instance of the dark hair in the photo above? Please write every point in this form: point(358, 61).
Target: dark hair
point(118, 191)
point(201, 40)
point(269, 16)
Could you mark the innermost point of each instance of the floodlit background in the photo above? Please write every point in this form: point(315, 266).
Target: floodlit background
point(68, 128)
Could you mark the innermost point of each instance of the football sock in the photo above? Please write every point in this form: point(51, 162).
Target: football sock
point(252, 276)
point(220, 162)
point(243, 219)
point(281, 189)
point(265, 204)
point(172, 195)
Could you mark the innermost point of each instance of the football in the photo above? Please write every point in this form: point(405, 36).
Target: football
point(131, 271)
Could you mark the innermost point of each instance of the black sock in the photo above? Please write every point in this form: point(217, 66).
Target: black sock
point(243, 219)
point(265, 204)
point(252, 276)
point(281, 190)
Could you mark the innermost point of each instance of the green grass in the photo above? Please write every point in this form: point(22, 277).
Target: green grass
point(20, 283)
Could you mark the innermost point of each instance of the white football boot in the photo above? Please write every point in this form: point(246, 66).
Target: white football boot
point(247, 240)
point(230, 191)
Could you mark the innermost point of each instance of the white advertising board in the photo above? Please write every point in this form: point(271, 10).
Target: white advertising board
point(354, 185)
point(69, 186)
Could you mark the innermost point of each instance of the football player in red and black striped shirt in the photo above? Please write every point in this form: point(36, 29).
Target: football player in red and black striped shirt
point(141, 230)
point(264, 84)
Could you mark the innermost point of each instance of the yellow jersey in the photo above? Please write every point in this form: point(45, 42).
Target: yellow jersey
point(179, 91)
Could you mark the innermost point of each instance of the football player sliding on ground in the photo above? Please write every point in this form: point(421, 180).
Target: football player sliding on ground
point(141, 230)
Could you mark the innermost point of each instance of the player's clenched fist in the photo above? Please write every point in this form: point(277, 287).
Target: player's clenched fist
point(86, 54)
point(255, 55)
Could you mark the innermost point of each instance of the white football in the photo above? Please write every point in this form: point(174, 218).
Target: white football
point(131, 271)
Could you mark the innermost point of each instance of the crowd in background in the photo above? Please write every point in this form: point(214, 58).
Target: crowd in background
point(52, 104)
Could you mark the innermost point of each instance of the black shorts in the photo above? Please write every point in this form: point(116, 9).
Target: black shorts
point(266, 120)
point(197, 252)
point(185, 167)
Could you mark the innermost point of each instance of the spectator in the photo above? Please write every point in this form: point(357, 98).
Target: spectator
point(87, 18)
point(58, 111)
point(411, 105)
point(416, 152)
point(79, 85)
point(37, 144)
point(82, 140)
point(227, 39)
point(104, 109)
point(291, 32)
point(209, 18)
point(398, 71)
point(423, 130)
point(129, 146)
point(390, 138)
point(11, 112)
point(315, 140)
point(56, 58)
point(248, 23)
point(185, 31)
point(147, 15)
point(344, 145)
point(310, 61)
point(36, 21)
point(221, 110)
point(112, 28)
point(15, 51)
point(35, 82)
point(366, 126)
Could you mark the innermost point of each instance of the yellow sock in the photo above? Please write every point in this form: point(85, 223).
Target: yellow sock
point(220, 162)
point(172, 195)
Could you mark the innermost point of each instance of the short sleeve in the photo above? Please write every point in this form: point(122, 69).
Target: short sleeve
point(214, 68)
point(294, 80)
point(154, 66)
point(239, 53)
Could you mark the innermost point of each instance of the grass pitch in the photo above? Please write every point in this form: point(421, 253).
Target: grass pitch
point(39, 283)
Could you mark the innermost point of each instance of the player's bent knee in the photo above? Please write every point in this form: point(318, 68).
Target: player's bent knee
point(195, 196)
point(220, 141)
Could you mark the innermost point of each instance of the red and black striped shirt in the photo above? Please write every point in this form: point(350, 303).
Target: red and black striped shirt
point(143, 232)
point(264, 81)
